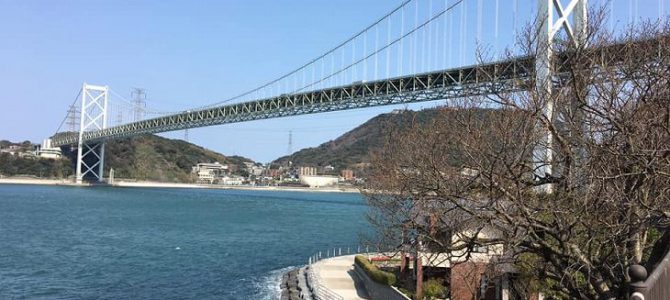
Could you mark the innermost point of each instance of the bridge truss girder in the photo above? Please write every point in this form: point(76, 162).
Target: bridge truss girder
point(507, 76)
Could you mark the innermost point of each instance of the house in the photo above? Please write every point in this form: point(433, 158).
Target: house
point(476, 267)
point(347, 175)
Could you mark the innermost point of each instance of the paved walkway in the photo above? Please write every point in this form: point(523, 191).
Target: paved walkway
point(338, 275)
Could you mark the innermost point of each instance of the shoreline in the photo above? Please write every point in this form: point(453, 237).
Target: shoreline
point(153, 184)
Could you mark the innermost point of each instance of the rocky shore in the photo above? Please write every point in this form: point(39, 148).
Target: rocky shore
point(294, 287)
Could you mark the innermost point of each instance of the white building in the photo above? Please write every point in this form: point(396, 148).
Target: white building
point(47, 151)
point(256, 170)
point(319, 181)
point(208, 172)
point(232, 180)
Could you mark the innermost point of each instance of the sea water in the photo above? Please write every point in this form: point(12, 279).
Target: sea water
point(146, 243)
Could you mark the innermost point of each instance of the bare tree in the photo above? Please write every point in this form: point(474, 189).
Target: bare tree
point(475, 167)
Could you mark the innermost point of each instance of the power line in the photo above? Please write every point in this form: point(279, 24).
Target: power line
point(66, 116)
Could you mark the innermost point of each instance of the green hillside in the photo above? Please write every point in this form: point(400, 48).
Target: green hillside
point(352, 149)
point(155, 158)
point(13, 165)
point(145, 157)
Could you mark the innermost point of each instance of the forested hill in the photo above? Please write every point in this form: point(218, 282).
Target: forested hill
point(155, 158)
point(145, 157)
point(352, 149)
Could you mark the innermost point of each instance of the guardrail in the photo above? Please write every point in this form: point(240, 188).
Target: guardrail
point(654, 287)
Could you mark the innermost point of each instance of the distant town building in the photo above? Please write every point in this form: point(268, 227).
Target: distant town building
point(209, 172)
point(307, 171)
point(256, 170)
point(231, 180)
point(347, 175)
point(12, 149)
point(273, 173)
point(319, 181)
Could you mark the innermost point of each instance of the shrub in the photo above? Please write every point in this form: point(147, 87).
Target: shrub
point(373, 272)
point(433, 289)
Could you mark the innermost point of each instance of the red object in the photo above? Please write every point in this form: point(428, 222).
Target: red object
point(380, 258)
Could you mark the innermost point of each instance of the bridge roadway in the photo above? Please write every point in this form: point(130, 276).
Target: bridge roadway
point(503, 76)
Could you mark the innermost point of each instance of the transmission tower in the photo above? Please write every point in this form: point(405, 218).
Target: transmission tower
point(119, 116)
point(139, 96)
point(72, 114)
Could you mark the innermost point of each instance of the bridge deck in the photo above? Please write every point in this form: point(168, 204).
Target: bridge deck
point(503, 76)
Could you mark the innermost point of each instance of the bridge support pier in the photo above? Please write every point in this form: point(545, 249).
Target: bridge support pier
point(91, 154)
point(547, 28)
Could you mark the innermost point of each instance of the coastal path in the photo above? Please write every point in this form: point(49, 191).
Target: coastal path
point(337, 274)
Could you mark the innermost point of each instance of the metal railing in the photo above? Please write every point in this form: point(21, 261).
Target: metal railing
point(337, 251)
point(319, 291)
point(654, 287)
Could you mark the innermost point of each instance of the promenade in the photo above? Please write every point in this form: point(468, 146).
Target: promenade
point(337, 274)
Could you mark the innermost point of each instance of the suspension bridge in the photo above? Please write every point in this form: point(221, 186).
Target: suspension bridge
point(419, 51)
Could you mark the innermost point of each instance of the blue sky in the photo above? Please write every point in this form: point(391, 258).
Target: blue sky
point(185, 54)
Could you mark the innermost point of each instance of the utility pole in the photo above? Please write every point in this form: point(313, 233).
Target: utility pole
point(139, 96)
point(289, 151)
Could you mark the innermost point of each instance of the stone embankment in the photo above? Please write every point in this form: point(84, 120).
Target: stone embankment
point(294, 287)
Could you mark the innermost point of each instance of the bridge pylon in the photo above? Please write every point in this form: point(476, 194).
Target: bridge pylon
point(93, 116)
point(573, 19)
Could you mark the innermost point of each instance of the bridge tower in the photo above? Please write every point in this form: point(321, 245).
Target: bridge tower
point(93, 116)
point(573, 19)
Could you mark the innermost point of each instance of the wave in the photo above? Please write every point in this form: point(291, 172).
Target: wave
point(268, 286)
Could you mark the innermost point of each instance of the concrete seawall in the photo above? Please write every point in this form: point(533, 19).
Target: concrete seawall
point(378, 290)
